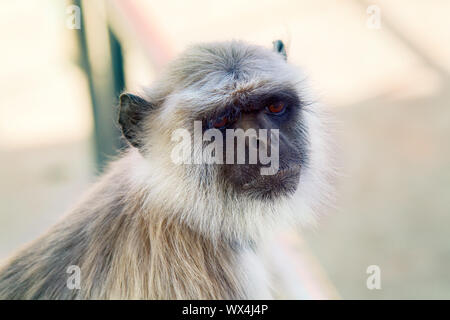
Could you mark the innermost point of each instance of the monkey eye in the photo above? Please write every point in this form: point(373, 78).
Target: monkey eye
point(276, 108)
point(221, 122)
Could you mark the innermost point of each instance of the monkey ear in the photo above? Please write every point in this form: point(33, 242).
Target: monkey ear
point(278, 46)
point(132, 109)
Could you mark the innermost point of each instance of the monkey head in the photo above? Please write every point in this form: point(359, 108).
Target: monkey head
point(245, 133)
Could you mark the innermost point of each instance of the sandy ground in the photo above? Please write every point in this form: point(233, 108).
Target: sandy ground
point(389, 88)
point(394, 201)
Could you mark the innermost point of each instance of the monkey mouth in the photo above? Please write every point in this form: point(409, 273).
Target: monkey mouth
point(283, 183)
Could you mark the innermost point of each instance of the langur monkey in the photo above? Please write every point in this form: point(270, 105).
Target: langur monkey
point(151, 228)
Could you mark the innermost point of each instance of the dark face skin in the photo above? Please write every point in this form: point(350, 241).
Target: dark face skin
point(280, 110)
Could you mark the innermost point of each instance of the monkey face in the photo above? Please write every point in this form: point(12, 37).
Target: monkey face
point(235, 94)
point(269, 127)
point(250, 98)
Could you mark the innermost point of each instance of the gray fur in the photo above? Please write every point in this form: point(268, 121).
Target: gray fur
point(151, 230)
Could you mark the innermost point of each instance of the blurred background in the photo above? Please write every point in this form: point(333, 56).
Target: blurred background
point(382, 66)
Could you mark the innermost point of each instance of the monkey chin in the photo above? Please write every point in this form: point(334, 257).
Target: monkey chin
point(271, 187)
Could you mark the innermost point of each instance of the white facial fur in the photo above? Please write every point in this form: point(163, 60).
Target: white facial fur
point(201, 78)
